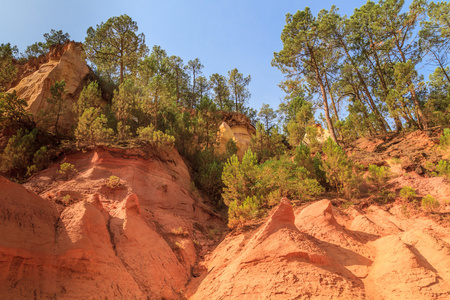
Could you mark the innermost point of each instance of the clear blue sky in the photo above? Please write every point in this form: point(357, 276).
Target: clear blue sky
point(223, 34)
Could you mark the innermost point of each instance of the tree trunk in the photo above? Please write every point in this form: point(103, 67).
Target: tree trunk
point(366, 91)
point(178, 86)
point(121, 70)
point(327, 114)
point(324, 96)
point(398, 124)
point(193, 90)
point(422, 120)
point(235, 96)
point(331, 97)
point(366, 115)
point(325, 106)
point(441, 66)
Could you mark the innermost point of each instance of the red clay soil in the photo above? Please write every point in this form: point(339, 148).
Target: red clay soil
point(412, 149)
point(139, 240)
point(320, 252)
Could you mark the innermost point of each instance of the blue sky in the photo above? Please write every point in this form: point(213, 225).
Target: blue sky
point(223, 34)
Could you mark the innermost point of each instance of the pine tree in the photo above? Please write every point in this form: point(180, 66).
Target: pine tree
point(115, 45)
point(221, 90)
point(57, 106)
point(305, 54)
point(238, 88)
point(90, 96)
point(267, 116)
point(92, 127)
point(8, 70)
point(194, 67)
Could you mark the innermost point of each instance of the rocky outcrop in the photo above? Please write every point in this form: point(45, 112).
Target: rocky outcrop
point(320, 252)
point(64, 62)
point(411, 151)
point(278, 261)
point(237, 127)
point(140, 239)
point(321, 137)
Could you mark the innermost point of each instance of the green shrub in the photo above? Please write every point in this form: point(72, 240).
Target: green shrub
point(396, 160)
point(42, 158)
point(31, 170)
point(267, 144)
point(341, 173)
point(250, 188)
point(231, 148)
point(24, 154)
point(429, 203)
point(208, 176)
point(92, 127)
point(378, 175)
point(113, 182)
point(273, 198)
point(408, 193)
point(179, 231)
point(312, 164)
point(67, 170)
point(239, 178)
point(443, 168)
point(384, 197)
point(178, 246)
point(444, 140)
point(291, 180)
point(238, 214)
point(311, 138)
point(156, 138)
point(13, 110)
point(66, 199)
point(18, 153)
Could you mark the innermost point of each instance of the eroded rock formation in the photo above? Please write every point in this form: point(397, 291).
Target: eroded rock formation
point(237, 127)
point(64, 62)
point(321, 252)
point(137, 240)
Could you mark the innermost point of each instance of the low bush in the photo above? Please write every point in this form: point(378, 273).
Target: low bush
point(312, 164)
point(67, 170)
point(156, 138)
point(384, 197)
point(251, 189)
point(378, 176)
point(208, 176)
point(231, 148)
point(341, 172)
point(113, 182)
point(408, 193)
point(443, 168)
point(179, 231)
point(66, 199)
point(248, 210)
point(429, 203)
point(18, 153)
point(444, 140)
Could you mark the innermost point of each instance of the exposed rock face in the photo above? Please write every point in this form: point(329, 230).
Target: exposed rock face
point(277, 262)
point(235, 126)
point(63, 63)
point(322, 134)
point(413, 149)
point(132, 241)
point(324, 253)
